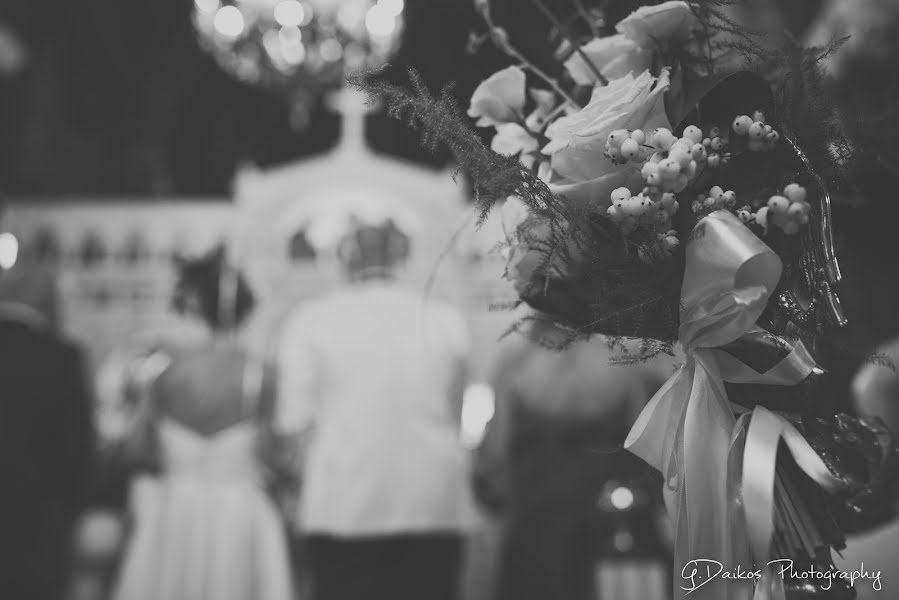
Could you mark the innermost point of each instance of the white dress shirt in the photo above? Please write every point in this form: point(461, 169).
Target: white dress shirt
point(369, 368)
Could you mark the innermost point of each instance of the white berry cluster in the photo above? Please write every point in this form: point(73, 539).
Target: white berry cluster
point(668, 162)
point(716, 198)
point(650, 208)
point(762, 137)
point(715, 146)
point(789, 211)
point(674, 160)
point(625, 146)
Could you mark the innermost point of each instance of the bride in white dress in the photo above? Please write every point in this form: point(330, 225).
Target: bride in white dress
point(203, 525)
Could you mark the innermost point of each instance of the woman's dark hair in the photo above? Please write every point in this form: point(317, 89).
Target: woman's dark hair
point(224, 296)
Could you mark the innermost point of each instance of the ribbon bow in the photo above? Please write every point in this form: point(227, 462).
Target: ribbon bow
point(688, 430)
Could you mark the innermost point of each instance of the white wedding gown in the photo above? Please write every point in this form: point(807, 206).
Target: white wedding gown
point(205, 529)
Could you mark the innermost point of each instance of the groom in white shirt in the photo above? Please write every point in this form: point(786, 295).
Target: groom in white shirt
point(372, 376)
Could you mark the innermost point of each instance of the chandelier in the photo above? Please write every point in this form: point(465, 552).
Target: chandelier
point(298, 48)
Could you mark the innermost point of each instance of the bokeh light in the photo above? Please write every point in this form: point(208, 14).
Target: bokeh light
point(394, 7)
point(623, 541)
point(9, 250)
point(207, 6)
point(289, 13)
point(331, 50)
point(229, 22)
point(622, 498)
point(478, 408)
point(379, 21)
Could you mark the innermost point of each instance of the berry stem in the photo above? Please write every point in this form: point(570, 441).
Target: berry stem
point(594, 30)
point(500, 39)
point(569, 38)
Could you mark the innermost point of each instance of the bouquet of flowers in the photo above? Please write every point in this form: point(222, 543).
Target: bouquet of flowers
point(660, 187)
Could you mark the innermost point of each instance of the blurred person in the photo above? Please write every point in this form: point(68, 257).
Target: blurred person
point(372, 376)
point(870, 44)
point(875, 393)
point(100, 534)
point(865, 90)
point(46, 437)
point(204, 526)
point(875, 388)
point(580, 517)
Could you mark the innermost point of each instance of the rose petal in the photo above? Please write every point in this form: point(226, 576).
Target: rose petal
point(614, 56)
point(577, 142)
point(499, 99)
point(512, 138)
point(659, 25)
point(597, 192)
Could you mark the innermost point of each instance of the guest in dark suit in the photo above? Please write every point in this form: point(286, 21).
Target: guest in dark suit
point(46, 438)
point(551, 462)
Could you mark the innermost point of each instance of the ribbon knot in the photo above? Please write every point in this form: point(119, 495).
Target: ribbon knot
point(688, 430)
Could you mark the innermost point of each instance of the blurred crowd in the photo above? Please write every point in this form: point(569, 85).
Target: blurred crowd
point(335, 469)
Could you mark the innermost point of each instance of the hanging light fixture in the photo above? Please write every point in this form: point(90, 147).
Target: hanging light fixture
point(298, 48)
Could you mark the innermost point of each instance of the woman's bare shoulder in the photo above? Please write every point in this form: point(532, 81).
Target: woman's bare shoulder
point(201, 372)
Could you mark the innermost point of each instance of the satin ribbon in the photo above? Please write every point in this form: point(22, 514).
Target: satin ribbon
point(765, 432)
point(688, 429)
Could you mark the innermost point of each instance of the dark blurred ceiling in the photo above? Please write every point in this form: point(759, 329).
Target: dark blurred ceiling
point(116, 97)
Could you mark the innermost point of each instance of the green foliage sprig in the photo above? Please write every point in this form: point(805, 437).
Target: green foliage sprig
point(439, 119)
point(585, 274)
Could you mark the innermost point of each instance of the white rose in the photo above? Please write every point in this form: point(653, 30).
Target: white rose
point(614, 56)
point(659, 25)
point(597, 191)
point(577, 141)
point(594, 191)
point(499, 99)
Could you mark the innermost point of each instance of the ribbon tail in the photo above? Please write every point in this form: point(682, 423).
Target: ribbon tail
point(739, 543)
point(759, 460)
point(766, 430)
point(653, 435)
point(705, 521)
point(770, 586)
point(807, 459)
